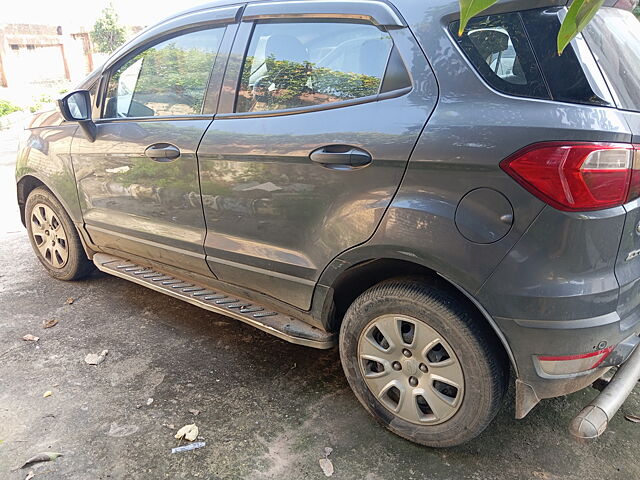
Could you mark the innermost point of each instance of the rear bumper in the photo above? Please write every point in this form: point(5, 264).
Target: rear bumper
point(531, 341)
point(593, 420)
point(556, 294)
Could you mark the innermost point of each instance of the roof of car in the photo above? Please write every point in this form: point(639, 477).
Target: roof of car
point(426, 5)
point(414, 13)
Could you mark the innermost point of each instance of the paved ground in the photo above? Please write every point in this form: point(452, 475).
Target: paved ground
point(267, 408)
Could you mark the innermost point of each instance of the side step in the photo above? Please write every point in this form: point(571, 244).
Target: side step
point(282, 326)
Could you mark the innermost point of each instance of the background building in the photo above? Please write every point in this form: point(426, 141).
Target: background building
point(43, 54)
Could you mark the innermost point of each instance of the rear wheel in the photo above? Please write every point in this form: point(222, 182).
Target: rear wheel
point(54, 237)
point(422, 364)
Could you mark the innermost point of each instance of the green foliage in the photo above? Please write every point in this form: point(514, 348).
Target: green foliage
point(39, 102)
point(579, 15)
point(174, 69)
point(7, 107)
point(169, 75)
point(636, 11)
point(147, 172)
point(471, 8)
point(288, 84)
point(107, 34)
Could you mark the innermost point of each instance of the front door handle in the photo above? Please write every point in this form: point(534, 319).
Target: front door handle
point(162, 152)
point(340, 156)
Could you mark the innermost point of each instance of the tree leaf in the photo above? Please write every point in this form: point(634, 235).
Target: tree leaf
point(50, 323)
point(188, 432)
point(327, 466)
point(469, 9)
point(42, 457)
point(579, 15)
point(632, 418)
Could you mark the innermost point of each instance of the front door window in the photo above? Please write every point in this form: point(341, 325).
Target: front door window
point(167, 79)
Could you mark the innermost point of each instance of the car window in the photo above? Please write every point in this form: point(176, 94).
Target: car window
point(499, 49)
point(300, 64)
point(516, 53)
point(169, 78)
point(565, 74)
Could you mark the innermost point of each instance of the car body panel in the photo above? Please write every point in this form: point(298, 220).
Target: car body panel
point(472, 129)
point(133, 204)
point(275, 219)
point(44, 155)
point(137, 205)
point(627, 268)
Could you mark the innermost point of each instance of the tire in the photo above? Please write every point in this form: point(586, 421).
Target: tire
point(54, 237)
point(450, 373)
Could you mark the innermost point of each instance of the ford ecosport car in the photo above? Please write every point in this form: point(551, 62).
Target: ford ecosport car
point(452, 210)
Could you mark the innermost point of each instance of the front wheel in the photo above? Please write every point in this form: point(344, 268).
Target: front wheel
point(54, 237)
point(422, 364)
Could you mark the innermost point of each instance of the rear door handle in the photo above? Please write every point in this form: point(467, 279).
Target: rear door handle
point(340, 156)
point(162, 152)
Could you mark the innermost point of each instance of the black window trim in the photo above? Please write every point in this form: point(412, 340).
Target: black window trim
point(233, 75)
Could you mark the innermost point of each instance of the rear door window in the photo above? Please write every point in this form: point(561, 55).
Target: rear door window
point(564, 73)
point(300, 64)
point(499, 49)
point(516, 53)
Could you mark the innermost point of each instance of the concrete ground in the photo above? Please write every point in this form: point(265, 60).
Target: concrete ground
point(267, 409)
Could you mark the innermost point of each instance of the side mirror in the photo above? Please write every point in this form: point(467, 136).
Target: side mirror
point(76, 107)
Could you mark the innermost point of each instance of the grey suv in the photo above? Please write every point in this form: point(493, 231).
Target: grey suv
point(453, 211)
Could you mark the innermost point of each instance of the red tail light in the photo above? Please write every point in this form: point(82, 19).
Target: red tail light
point(578, 176)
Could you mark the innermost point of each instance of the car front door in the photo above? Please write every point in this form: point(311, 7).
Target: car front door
point(320, 109)
point(138, 181)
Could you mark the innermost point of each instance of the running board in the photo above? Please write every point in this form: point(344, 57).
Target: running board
point(270, 321)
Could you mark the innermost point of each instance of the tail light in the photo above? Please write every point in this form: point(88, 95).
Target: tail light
point(576, 176)
point(569, 364)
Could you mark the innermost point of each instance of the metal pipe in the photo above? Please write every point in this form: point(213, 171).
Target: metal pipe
point(593, 420)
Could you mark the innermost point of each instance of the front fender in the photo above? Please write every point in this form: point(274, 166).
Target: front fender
point(44, 159)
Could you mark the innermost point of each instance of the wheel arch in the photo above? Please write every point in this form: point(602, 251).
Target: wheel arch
point(355, 278)
point(24, 187)
point(27, 184)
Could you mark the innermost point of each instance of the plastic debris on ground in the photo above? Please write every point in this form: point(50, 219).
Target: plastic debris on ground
point(186, 448)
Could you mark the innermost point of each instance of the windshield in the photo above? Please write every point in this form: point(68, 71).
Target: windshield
point(614, 38)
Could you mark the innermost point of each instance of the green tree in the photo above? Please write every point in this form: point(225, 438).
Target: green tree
point(107, 33)
point(290, 84)
point(7, 107)
point(579, 15)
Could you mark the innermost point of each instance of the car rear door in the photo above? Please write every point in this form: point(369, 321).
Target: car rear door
point(138, 181)
point(321, 106)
